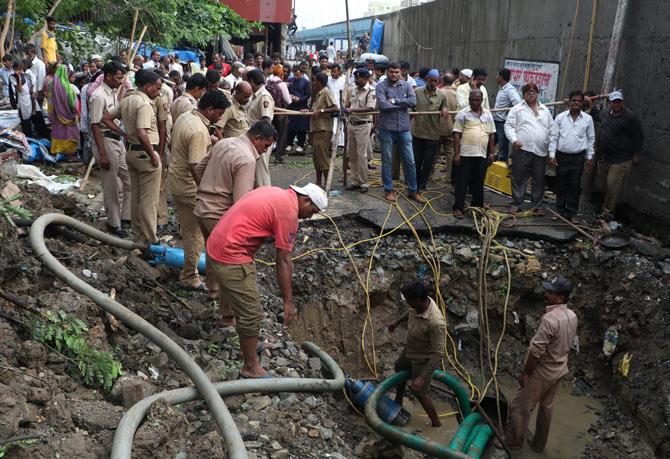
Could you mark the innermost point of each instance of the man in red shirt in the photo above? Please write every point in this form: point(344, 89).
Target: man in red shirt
point(219, 65)
point(260, 214)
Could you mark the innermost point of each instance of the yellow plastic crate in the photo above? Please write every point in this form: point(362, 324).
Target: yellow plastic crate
point(498, 177)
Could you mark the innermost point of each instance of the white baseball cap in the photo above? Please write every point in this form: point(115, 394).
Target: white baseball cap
point(616, 95)
point(467, 73)
point(315, 193)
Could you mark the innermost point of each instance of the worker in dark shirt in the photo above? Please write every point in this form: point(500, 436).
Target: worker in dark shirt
point(620, 146)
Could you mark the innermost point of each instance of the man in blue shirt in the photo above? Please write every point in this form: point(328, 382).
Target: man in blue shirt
point(395, 97)
point(5, 71)
point(507, 97)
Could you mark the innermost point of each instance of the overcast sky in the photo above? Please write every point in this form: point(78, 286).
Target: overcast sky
point(315, 13)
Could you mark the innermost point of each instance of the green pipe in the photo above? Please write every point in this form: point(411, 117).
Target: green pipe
point(454, 384)
point(399, 436)
point(471, 436)
point(478, 445)
point(461, 435)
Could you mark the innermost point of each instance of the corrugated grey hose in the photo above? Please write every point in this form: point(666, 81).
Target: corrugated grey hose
point(123, 438)
point(206, 389)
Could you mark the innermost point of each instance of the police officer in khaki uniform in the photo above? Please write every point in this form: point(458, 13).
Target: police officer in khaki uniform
point(261, 106)
point(190, 143)
point(109, 151)
point(138, 112)
point(234, 121)
point(359, 99)
point(321, 125)
point(164, 116)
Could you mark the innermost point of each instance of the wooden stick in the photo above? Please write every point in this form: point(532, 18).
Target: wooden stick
point(280, 111)
point(88, 173)
point(139, 43)
point(132, 33)
point(333, 153)
point(577, 228)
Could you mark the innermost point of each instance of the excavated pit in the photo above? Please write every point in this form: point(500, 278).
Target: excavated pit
point(600, 412)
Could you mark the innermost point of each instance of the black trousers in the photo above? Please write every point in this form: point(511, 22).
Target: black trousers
point(469, 175)
point(281, 125)
point(301, 135)
point(424, 158)
point(569, 182)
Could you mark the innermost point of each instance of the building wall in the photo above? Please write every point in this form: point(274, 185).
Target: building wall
point(481, 33)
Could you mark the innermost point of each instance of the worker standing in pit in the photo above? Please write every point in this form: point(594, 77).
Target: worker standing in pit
point(426, 330)
point(262, 213)
point(546, 364)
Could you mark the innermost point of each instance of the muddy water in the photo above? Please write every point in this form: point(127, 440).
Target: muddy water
point(569, 426)
point(570, 423)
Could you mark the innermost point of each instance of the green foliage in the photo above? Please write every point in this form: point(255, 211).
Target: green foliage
point(9, 210)
point(65, 334)
point(168, 21)
point(76, 44)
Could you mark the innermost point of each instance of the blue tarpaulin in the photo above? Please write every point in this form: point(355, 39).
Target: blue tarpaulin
point(184, 54)
point(376, 36)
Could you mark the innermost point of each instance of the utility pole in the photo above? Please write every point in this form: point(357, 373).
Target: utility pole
point(346, 6)
point(615, 42)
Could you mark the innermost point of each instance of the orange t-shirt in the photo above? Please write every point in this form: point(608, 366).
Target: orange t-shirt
point(264, 212)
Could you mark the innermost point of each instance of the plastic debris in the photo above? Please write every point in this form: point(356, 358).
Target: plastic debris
point(610, 341)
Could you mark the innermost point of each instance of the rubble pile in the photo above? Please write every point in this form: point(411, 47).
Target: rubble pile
point(42, 397)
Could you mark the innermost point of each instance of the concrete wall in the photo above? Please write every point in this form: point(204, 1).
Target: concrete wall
point(481, 33)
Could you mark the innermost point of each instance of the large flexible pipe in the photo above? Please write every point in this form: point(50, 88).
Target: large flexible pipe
point(397, 435)
point(459, 440)
point(123, 437)
point(222, 416)
point(478, 445)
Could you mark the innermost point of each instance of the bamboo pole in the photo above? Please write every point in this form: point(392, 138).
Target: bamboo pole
point(132, 33)
point(283, 112)
point(84, 182)
point(11, 9)
point(139, 43)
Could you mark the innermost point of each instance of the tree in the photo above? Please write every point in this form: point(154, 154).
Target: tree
point(168, 21)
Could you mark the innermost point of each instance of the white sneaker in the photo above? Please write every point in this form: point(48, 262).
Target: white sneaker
point(288, 148)
point(299, 149)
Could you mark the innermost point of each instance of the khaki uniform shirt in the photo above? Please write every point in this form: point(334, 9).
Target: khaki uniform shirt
point(138, 111)
point(190, 143)
point(447, 123)
point(227, 173)
point(428, 126)
point(182, 104)
point(103, 100)
point(233, 122)
point(426, 334)
point(355, 97)
point(261, 105)
point(322, 100)
point(553, 340)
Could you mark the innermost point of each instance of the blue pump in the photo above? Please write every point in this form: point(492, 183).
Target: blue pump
point(172, 256)
point(387, 409)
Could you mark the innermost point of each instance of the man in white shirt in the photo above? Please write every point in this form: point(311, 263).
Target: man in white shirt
point(476, 82)
point(235, 75)
point(39, 70)
point(174, 63)
point(155, 61)
point(330, 52)
point(527, 128)
point(337, 83)
point(570, 144)
point(507, 97)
